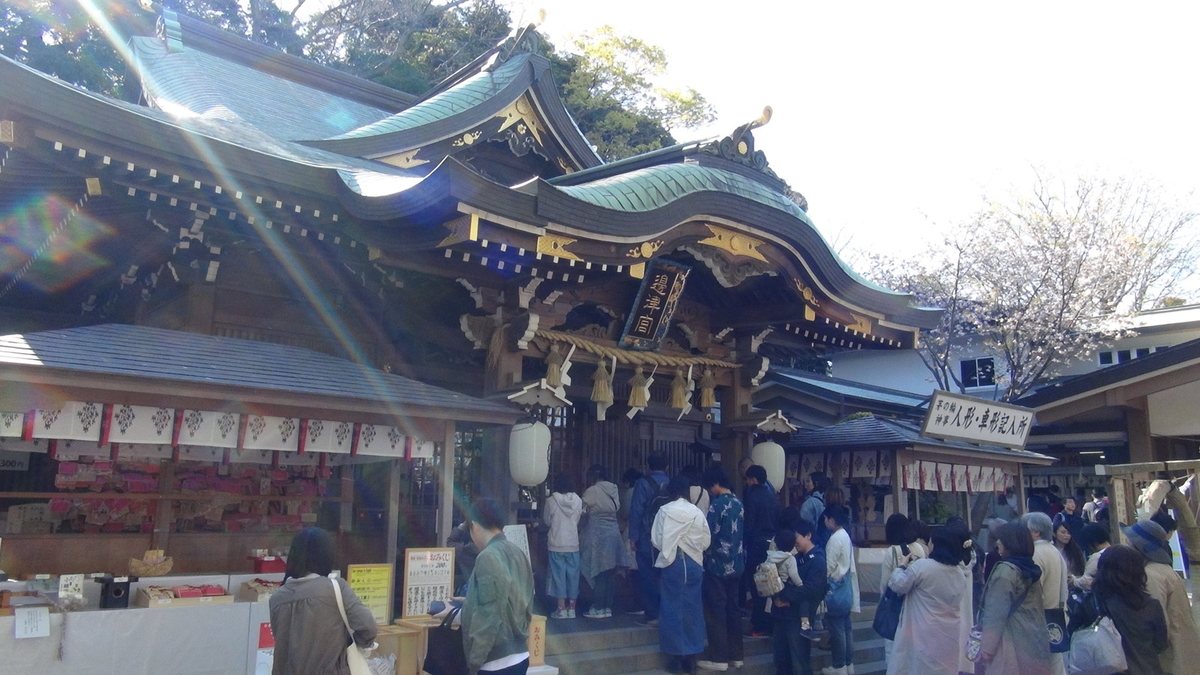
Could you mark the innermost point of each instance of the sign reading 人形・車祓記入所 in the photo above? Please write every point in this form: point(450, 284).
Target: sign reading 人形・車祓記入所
point(655, 304)
point(977, 420)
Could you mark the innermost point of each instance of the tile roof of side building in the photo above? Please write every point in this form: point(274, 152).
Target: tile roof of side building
point(175, 356)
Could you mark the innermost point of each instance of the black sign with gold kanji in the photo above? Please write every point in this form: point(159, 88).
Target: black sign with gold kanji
point(650, 316)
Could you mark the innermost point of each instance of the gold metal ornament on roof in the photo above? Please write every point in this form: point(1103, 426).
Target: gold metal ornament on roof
point(732, 242)
point(646, 249)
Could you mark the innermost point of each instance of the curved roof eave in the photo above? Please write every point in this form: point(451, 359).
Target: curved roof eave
point(541, 204)
point(427, 121)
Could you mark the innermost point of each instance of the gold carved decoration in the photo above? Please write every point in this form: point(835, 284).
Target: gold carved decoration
point(555, 245)
point(468, 138)
point(861, 324)
point(405, 160)
point(562, 164)
point(807, 293)
point(521, 113)
point(462, 230)
point(637, 271)
point(646, 250)
point(93, 187)
point(732, 242)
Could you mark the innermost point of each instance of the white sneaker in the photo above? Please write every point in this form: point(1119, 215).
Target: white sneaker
point(570, 614)
point(834, 671)
point(850, 669)
point(711, 665)
point(608, 613)
point(737, 664)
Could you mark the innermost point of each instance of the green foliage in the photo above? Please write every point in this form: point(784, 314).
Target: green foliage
point(410, 45)
point(607, 83)
point(608, 86)
point(58, 38)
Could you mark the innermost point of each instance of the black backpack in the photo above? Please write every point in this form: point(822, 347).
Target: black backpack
point(657, 500)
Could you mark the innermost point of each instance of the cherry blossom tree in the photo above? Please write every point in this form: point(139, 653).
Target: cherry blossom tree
point(1043, 276)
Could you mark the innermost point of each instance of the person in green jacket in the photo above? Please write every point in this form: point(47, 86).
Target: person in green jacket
point(498, 605)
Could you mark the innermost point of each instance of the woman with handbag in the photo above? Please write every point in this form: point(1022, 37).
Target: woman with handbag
point(843, 591)
point(931, 626)
point(601, 548)
point(1120, 588)
point(316, 620)
point(900, 537)
point(1010, 638)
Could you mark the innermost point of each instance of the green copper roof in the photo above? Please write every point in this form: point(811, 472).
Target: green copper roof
point(472, 92)
point(211, 87)
point(656, 186)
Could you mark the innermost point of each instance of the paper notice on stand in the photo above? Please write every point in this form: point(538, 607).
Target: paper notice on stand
point(519, 535)
point(32, 622)
point(70, 585)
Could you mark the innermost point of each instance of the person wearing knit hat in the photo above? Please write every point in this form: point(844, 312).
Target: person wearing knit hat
point(1165, 586)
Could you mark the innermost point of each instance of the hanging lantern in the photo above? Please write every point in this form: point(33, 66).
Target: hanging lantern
point(770, 456)
point(529, 452)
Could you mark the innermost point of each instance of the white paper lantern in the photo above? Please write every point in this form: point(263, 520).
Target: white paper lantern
point(529, 453)
point(770, 456)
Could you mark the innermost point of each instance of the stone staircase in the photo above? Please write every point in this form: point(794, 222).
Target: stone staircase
point(633, 650)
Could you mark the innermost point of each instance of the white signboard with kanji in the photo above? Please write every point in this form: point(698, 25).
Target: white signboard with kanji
point(977, 420)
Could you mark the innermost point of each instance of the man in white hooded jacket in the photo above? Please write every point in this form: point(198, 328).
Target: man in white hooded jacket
point(681, 535)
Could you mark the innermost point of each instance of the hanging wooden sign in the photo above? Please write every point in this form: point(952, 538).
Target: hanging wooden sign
point(650, 316)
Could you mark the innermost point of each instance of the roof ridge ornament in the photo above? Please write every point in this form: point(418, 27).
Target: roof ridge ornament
point(739, 146)
point(169, 31)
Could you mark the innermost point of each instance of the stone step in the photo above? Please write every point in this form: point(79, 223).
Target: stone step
point(636, 654)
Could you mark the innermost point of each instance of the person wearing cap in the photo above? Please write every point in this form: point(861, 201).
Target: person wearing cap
point(1165, 586)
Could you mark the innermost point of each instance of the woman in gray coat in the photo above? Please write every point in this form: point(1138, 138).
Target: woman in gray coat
point(1015, 641)
point(310, 637)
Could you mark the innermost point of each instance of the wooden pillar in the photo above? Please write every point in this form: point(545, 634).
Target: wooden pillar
point(735, 402)
point(899, 496)
point(201, 303)
point(1137, 426)
point(346, 495)
point(164, 509)
point(445, 514)
point(393, 510)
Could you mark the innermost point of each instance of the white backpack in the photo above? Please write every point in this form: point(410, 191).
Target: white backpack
point(766, 579)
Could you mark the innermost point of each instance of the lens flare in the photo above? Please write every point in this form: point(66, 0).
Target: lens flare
point(48, 246)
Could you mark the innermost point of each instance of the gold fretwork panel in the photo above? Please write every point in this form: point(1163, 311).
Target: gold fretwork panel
point(462, 230)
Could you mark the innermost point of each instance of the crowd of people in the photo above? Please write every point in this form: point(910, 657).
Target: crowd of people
point(704, 560)
point(1005, 606)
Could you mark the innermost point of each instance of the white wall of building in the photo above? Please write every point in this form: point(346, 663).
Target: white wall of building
point(904, 370)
